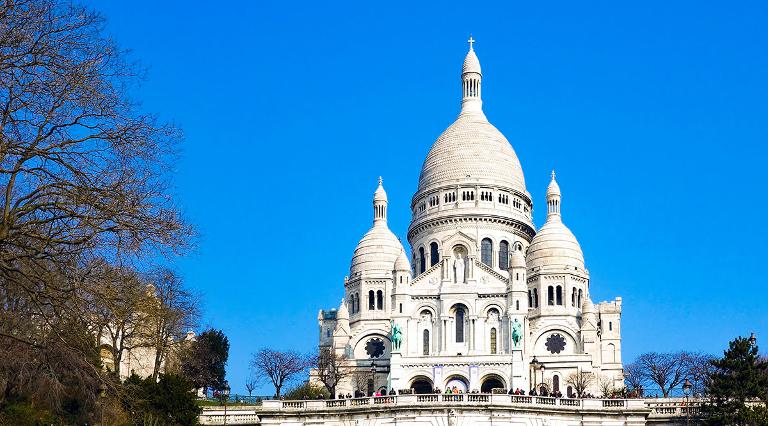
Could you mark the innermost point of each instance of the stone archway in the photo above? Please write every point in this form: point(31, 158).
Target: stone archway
point(422, 385)
point(460, 382)
point(491, 382)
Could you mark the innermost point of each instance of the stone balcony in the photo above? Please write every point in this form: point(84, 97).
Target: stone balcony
point(514, 407)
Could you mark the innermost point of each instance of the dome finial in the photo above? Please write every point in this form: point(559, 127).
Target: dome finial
point(471, 81)
point(380, 203)
point(553, 175)
point(553, 199)
point(471, 41)
point(381, 180)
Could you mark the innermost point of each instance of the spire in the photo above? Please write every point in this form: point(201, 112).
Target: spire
point(380, 204)
point(553, 200)
point(471, 81)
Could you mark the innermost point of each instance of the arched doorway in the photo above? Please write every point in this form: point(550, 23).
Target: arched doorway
point(457, 381)
point(490, 383)
point(422, 385)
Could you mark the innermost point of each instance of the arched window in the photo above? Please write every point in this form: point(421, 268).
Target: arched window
point(371, 301)
point(573, 297)
point(503, 255)
point(559, 295)
point(486, 252)
point(550, 296)
point(556, 383)
point(434, 254)
point(535, 298)
point(493, 341)
point(422, 260)
point(530, 299)
point(610, 326)
point(379, 300)
point(425, 343)
point(517, 305)
point(579, 299)
point(459, 325)
point(357, 302)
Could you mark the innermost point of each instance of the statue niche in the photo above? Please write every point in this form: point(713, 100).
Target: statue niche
point(459, 265)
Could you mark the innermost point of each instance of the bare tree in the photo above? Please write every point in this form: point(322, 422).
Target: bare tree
point(360, 380)
point(634, 377)
point(580, 381)
point(331, 369)
point(697, 368)
point(173, 312)
point(606, 386)
point(250, 384)
point(666, 370)
point(279, 367)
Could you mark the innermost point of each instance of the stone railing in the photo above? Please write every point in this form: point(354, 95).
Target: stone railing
point(249, 415)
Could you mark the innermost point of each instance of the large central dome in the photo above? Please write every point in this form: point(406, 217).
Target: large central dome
point(472, 149)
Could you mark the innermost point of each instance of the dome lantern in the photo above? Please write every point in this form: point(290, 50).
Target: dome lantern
point(380, 204)
point(471, 82)
point(553, 199)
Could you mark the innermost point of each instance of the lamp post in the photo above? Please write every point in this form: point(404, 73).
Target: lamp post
point(534, 367)
point(687, 391)
point(102, 395)
point(225, 395)
point(542, 376)
point(373, 378)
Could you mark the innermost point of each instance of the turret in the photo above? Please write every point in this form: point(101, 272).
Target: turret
point(471, 82)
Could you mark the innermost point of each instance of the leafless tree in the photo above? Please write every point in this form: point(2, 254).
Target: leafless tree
point(360, 380)
point(174, 311)
point(665, 370)
point(250, 384)
point(634, 377)
point(606, 386)
point(279, 367)
point(580, 381)
point(697, 368)
point(331, 369)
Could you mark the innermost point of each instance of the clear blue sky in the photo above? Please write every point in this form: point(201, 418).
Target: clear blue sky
point(653, 114)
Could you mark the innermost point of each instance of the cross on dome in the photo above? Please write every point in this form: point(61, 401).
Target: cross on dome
point(380, 180)
point(471, 41)
point(553, 176)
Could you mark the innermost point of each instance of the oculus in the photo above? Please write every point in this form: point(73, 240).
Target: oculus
point(374, 348)
point(555, 343)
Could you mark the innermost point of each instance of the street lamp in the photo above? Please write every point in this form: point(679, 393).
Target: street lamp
point(687, 386)
point(542, 375)
point(752, 339)
point(373, 378)
point(225, 394)
point(102, 395)
point(534, 367)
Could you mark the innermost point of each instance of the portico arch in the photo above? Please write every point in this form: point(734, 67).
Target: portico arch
point(459, 381)
point(422, 385)
point(490, 382)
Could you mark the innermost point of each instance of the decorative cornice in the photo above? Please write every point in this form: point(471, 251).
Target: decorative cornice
point(520, 228)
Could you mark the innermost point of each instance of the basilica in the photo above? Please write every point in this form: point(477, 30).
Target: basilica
point(486, 300)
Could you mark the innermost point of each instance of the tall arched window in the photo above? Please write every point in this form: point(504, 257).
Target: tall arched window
point(459, 325)
point(573, 297)
point(422, 260)
point(493, 340)
point(357, 302)
point(503, 255)
point(535, 298)
point(550, 296)
point(425, 343)
point(530, 299)
point(371, 301)
point(434, 254)
point(556, 383)
point(579, 298)
point(559, 295)
point(379, 300)
point(486, 252)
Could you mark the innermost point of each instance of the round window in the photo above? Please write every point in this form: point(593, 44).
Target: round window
point(374, 347)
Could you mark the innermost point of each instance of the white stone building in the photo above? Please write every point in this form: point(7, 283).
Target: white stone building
point(479, 271)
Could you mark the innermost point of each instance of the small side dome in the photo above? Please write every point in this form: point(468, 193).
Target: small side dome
point(402, 264)
point(553, 189)
point(587, 307)
point(378, 249)
point(555, 246)
point(343, 312)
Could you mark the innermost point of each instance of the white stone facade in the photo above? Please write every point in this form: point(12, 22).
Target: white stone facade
point(479, 276)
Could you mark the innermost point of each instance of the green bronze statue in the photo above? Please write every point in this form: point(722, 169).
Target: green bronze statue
point(517, 333)
point(397, 335)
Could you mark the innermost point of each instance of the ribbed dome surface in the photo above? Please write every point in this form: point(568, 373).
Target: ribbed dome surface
point(401, 263)
point(554, 246)
point(376, 252)
point(471, 148)
point(471, 63)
